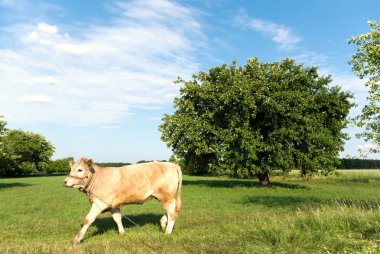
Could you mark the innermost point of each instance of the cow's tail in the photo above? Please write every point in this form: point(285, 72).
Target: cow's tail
point(178, 203)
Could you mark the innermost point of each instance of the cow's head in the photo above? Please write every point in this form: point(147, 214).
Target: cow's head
point(79, 173)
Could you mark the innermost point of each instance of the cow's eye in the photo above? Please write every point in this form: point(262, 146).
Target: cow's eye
point(79, 170)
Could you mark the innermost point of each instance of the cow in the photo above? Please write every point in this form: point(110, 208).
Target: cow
point(108, 188)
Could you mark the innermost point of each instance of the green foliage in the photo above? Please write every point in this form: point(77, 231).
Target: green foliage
point(359, 164)
point(366, 64)
point(24, 153)
point(253, 119)
point(3, 123)
point(59, 166)
point(3, 165)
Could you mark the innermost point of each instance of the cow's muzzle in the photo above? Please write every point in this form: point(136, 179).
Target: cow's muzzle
point(68, 182)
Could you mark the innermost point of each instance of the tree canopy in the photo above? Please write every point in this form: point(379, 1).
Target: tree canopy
point(24, 152)
point(253, 119)
point(366, 64)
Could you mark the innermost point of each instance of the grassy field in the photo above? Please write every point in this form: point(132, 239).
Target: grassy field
point(335, 214)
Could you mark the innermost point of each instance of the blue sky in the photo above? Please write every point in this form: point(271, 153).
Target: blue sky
point(95, 77)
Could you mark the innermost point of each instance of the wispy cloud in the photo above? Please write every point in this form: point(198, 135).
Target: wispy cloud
point(100, 75)
point(344, 78)
point(37, 98)
point(278, 33)
point(367, 150)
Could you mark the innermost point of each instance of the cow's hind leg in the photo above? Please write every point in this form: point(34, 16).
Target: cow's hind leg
point(171, 216)
point(90, 218)
point(116, 215)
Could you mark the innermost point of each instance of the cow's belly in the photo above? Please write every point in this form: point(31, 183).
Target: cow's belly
point(133, 198)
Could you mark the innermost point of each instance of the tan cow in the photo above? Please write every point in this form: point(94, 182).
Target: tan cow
point(108, 188)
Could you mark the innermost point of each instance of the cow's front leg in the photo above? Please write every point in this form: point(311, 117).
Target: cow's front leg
point(116, 215)
point(90, 218)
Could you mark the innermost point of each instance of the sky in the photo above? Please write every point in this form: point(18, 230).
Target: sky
point(96, 77)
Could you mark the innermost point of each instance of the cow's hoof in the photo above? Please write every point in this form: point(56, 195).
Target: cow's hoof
point(164, 223)
point(76, 240)
point(169, 227)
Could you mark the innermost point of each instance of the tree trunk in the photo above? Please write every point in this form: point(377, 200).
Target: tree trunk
point(264, 179)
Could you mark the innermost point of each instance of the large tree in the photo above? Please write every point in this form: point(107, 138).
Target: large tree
point(24, 152)
point(253, 119)
point(366, 64)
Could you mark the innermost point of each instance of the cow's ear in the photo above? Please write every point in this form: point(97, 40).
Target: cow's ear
point(71, 163)
point(89, 163)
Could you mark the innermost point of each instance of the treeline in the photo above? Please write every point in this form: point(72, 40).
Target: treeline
point(62, 165)
point(120, 164)
point(113, 164)
point(359, 164)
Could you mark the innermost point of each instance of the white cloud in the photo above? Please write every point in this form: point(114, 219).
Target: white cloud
point(46, 28)
point(44, 80)
point(76, 49)
point(99, 76)
point(43, 34)
point(310, 58)
point(367, 147)
point(37, 98)
point(346, 79)
point(365, 150)
point(280, 34)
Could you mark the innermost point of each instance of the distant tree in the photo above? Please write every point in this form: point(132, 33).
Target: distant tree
point(366, 64)
point(359, 164)
point(25, 152)
point(180, 162)
point(3, 164)
point(173, 159)
point(113, 164)
point(251, 120)
point(3, 123)
point(59, 166)
point(142, 161)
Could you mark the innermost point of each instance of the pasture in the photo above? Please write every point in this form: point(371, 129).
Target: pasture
point(335, 214)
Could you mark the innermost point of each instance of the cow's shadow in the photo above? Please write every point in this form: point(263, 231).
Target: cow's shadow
point(12, 185)
point(104, 224)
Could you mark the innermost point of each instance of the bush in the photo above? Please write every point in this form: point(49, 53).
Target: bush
point(59, 166)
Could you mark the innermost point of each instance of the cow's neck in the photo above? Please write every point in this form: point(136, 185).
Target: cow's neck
point(90, 182)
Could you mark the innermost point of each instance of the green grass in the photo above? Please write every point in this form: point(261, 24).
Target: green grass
point(335, 214)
